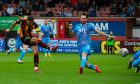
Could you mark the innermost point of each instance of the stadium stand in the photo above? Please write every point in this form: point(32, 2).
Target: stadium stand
point(70, 8)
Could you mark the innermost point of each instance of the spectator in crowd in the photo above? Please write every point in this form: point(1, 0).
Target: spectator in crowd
point(76, 5)
point(124, 13)
point(10, 10)
point(68, 13)
point(36, 6)
point(4, 1)
point(119, 9)
point(92, 12)
point(50, 13)
point(22, 3)
point(134, 4)
point(43, 14)
point(50, 4)
point(18, 9)
point(29, 5)
point(4, 12)
point(62, 13)
point(27, 12)
point(20, 12)
point(72, 2)
point(75, 13)
point(16, 1)
point(1, 5)
point(131, 10)
point(114, 9)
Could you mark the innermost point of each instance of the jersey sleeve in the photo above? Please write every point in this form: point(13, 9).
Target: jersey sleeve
point(91, 27)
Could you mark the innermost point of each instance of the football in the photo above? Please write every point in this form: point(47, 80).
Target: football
point(123, 52)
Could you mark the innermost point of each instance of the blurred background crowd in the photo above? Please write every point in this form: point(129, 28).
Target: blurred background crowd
point(69, 8)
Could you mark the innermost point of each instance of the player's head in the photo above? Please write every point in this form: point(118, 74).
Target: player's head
point(83, 18)
point(46, 21)
point(30, 20)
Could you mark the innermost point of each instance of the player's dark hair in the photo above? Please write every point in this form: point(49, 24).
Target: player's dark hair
point(31, 18)
point(84, 15)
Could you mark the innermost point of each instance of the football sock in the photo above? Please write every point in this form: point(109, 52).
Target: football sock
point(11, 50)
point(22, 53)
point(44, 50)
point(83, 62)
point(36, 60)
point(90, 66)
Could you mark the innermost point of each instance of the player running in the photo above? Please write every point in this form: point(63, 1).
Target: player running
point(46, 30)
point(26, 27)
point(17, 46)
point(135, 61)
point(82, 32)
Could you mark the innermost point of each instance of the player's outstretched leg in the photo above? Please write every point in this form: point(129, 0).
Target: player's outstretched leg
point(22, 53)
point(9, 51)
point(130, 64)
point(36, 58)
point(36, 62)
point(93, 67)
point(45, 52)
point(136, 64)
point(49, 54)
point(47, 46)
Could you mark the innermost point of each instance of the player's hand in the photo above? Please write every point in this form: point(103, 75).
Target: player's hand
point(7, 30)
point(70, 26)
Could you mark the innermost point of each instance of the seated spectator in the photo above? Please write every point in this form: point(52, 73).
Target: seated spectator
point(50, 13)
point(68, 13)
point(27, 12)
point(62, 13)
point(36, 6)
point(50, 4)
point(20, 12)
point(22, 3)
point(4, 12)
point(92, 12)
point(43, 14)
point(18, 9)
point(29, 5)
point(75, 13)
point(10, 10)
point(124, 13)
point(131, 10)
point(114, 9)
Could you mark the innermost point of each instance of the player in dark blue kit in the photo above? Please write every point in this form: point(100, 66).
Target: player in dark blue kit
point(135, 61)
point(82, 32)
point(46, 30)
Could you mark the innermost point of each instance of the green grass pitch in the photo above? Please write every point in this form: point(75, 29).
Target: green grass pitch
point(63, 68)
